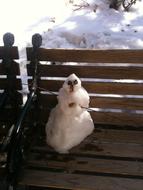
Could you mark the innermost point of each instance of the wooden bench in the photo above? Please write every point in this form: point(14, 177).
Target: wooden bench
point(112, 157)
point(10, 98)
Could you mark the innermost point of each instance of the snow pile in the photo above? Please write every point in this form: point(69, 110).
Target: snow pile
point(72, 23)
point(93, 24)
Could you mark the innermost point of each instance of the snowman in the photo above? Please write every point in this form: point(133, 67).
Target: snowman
point(69, 122)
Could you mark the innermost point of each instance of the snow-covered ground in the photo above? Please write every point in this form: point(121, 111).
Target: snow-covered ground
point(79, 24)
point(71, 24)
point(97, 26)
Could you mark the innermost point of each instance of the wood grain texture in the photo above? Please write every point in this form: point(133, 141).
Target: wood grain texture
point(100, 156)
point(15, 70)
point(16, 84)
point(89, 165)
point(93, 147)
point(88, 56)
point(117, 103)
point(102, 134)
point(75, 181)
point(124, 118)
point(96, 87)
point(119, 136)
point(12, 52)
point(50, 101)
point(103, 72)
point(81, 157)
point(111, 149)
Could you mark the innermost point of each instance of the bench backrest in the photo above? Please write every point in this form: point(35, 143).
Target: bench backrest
point(113, 78)
point(9, 83)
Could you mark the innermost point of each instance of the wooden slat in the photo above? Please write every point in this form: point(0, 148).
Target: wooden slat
point(123, 119)
point(13, 52)
point(92, 147)
point(18, 97)
point(70, 163)
point(104, 117)
point(15, 70)
point(89, 71)
point(110, 135)
point(46, 100)
point(98, 102)
point(116, 143)
point(89, 56)
point(17, 84)
point(118, 136)
point(112, 149)
point(117, 103)
point(122, 136)
point(97, 87)
point(98, 146)
point(76, 181)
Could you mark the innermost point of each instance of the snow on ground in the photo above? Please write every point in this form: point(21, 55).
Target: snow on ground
point(97, 26)
point(71, 24)
point(79, 24)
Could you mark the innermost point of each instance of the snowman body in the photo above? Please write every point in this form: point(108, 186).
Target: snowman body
point(69, 122)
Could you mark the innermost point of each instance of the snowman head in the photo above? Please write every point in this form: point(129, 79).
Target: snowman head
point(72, 83)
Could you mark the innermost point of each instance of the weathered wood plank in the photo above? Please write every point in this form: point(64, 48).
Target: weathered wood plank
point(71, 163)
point(18, 98)
point(76, 181)
point(93, 148)
point(104, 72)
point(13, 52)
point(106, 135)
point(15, 70)
point(50, 101)
point(111, 149)
point(97, 145)
point(16, 84)
point(122, 119)
point(96, 87)
point(101, 117)
point(119, 136)
point(117, 103)
point(89, 56)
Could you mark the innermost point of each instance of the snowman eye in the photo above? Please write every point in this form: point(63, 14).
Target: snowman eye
point(69, 83)
point(75, 82)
